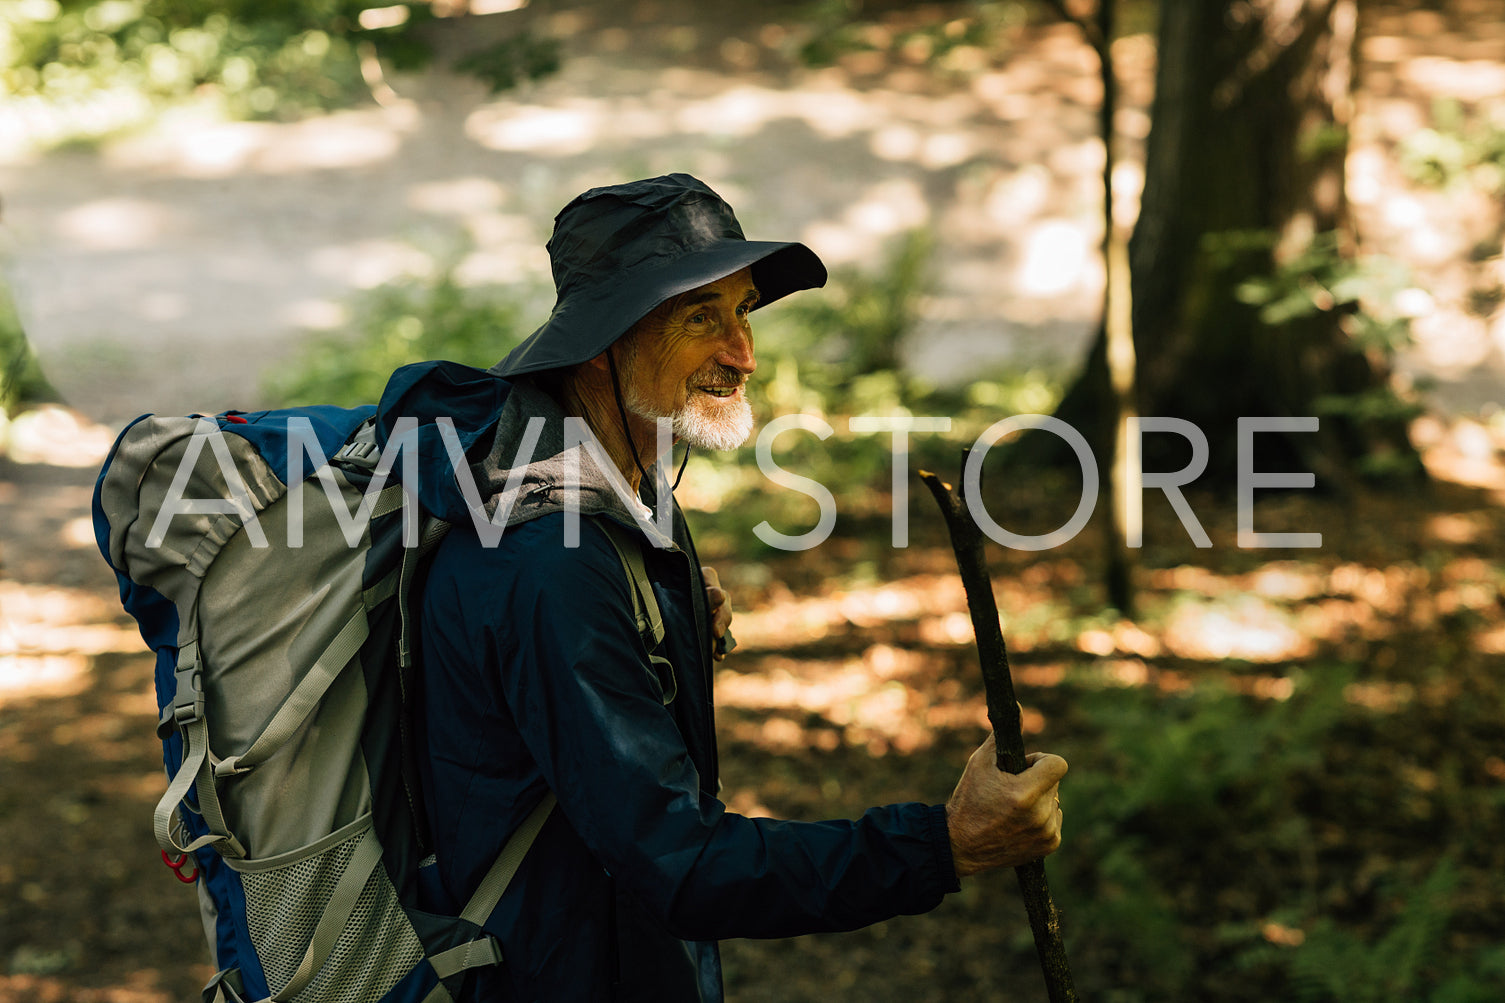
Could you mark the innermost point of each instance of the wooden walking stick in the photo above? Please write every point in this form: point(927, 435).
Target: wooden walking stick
point(1003, 714)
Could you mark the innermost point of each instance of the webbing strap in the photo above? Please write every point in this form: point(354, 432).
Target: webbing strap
point(194, 768)
point(337, 913)
point(225, 987)
point(388, 499)
point(383, 590)
point(475, 954)
point(489, 893)
point(438, 994)
point(644, 602)
point(304, 697)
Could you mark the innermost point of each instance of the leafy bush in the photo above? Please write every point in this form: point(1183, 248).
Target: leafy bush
point(1456, 149)
point(395, 324)
point(119, 60)
point(21, 379)
point(1201, 848)
point(838, 350)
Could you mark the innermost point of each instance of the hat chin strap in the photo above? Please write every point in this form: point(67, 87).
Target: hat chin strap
point(616, 390)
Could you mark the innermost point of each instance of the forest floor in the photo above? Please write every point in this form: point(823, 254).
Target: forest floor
point(1284, 744)
point(1320, 731)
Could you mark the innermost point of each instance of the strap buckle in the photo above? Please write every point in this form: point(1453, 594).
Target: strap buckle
point(357, 453)
point(188, 695)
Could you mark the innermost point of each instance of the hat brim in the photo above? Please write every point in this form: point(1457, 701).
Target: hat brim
point(583, 325)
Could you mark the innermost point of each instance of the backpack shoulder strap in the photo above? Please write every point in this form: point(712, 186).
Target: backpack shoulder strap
point(644, 603)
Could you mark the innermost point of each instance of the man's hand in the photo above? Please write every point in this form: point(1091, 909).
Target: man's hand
point(721, 609)
point(998, 819)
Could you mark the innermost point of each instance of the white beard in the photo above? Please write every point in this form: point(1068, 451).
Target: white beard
point(708, 423)
point(704, 422)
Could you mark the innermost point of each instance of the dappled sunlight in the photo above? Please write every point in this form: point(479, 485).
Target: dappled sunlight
point(54, 435)
point(115, 224)
point(370, 263)
point(1380, 697)
point(1332, 694)
point(1466, 80)
point(947, 629)
point(1464, 452)
point(889, 698)
point(1136, 673)
point(143, 986)
point(1288, 580)
point(792, 620)
point(26, 674)
point(1246, 628)
point(878, 153)
point(200, 147)
point(1284, 611)
point(50, 635)
point(1124, 637)
point(566, 131)
point(460, 196)
point(1057, 259)
point(882, 210)
point(1490, 641)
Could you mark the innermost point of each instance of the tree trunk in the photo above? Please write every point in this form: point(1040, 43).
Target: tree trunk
point(1244, 168)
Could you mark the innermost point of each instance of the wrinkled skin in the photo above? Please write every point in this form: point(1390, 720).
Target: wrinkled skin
point(1000, 819)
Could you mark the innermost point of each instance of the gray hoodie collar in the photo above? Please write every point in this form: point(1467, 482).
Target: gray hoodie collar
point(554, 462)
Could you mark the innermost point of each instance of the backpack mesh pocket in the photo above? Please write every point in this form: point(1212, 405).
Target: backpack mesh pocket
point(285, 899)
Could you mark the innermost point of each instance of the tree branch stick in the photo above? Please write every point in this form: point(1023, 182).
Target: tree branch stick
point(1003, 714)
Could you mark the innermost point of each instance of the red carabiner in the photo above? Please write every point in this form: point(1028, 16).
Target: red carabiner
point(176, 866)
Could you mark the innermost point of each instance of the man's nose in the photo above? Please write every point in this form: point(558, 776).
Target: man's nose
point(737, 349)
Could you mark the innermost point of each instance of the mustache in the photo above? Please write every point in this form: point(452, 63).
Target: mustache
point(718, 375)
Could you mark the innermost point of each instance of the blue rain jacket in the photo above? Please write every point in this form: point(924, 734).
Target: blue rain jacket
point(534, 678)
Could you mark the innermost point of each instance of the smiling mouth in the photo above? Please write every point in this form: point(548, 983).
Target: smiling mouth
point(722, 392)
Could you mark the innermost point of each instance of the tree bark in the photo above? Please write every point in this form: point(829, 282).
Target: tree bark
point(1249, 136)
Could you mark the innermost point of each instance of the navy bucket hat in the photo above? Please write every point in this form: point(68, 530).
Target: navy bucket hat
point(619, 251)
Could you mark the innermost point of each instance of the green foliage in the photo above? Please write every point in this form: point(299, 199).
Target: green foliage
point(1333, 965)
point(395, 324)
point(840, 350)
point(512, 61)
point(121, 59)
point(21, 379)
point(1457, 149)
point(1184, 762)
point(1322, 278)
point(843, 27)
point(1168, 788)
point(1206, 767)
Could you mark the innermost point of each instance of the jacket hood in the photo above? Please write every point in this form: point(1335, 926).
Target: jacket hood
point(517, 449)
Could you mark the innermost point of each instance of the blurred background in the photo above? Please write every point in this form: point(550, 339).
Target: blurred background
point(1288, 765)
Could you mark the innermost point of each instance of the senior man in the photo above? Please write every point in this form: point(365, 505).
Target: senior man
point(539, 682)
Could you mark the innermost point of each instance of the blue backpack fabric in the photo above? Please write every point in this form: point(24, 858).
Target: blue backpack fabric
point(267, 558)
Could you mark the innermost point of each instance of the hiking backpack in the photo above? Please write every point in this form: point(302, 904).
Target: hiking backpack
point(284, 674)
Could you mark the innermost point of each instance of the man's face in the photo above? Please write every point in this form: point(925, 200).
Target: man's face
point(689, 360)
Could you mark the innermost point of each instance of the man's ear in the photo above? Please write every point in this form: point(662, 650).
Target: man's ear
point(598, 363)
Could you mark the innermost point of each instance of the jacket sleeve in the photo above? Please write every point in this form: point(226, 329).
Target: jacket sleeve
point(557, 625)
